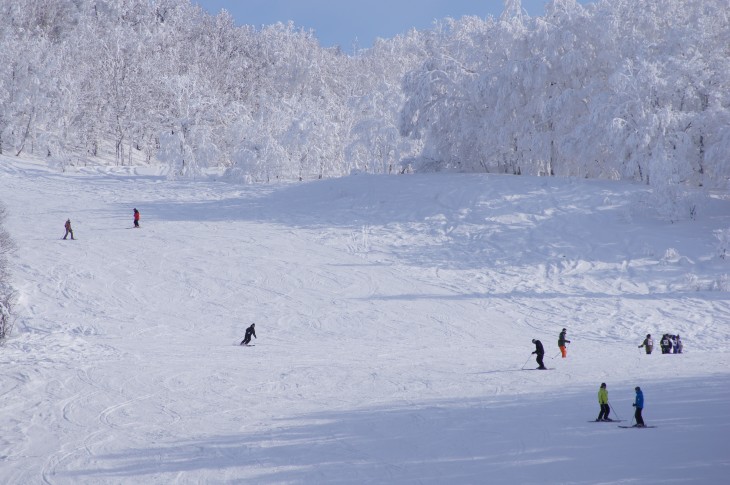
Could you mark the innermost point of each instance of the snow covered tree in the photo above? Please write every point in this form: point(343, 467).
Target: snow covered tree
point(624, 89)
point(6, 290)
point(627, 89)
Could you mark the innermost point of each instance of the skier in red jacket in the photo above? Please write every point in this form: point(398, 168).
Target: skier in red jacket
point(136, 218)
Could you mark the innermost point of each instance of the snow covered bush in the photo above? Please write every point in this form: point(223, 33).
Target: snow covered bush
point(722, 283)
point(6, 290)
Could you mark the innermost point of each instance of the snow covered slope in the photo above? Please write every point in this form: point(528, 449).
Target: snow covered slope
point(394, 317)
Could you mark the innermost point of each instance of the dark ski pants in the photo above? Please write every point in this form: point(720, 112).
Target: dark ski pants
point(639, 419)
point(605, 409)
point(539, 361)
point(68, 231)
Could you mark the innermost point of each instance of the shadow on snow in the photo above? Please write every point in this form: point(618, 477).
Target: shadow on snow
point(528, 439)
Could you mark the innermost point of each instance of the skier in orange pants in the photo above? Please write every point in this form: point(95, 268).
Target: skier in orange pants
point(561, 343)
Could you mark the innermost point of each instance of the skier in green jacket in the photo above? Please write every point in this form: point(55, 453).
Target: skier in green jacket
point(603, 401)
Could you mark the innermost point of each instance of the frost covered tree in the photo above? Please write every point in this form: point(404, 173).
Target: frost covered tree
point(620, 89)
point(6, 290)
point(375, 142)
point(624, 89)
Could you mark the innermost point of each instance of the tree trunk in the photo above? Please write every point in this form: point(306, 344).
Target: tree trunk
point(25, 135)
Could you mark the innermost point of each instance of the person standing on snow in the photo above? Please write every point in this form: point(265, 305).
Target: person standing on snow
point(136, 218)
point(561, 343)
point(639, 405)
point(249, 331)
point(68, 229)
point(666, 344)
point(679, 346)
point(648, 344)
point(540, 351)
point(603, 401)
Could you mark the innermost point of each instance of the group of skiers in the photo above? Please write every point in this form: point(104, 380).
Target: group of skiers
point(540, 350)
point(670, 344)
point(70, 231)
point(605, 408)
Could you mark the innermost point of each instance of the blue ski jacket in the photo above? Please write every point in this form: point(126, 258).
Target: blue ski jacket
point(639, 403)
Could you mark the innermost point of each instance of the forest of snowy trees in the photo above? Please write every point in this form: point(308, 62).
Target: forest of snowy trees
point(620, 89)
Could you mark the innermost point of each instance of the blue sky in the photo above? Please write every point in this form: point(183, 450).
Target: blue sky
point(342, 22)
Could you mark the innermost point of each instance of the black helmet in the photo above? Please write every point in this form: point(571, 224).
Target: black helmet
point(648, 335)
point(564, 330)
point(253, 324)
point(533, 341)
point(637, 388)
point(603, 384)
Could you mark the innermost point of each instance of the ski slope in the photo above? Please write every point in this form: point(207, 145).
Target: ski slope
point(394, 316)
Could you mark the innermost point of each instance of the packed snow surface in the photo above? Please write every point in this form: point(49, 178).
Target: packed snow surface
point(394, 317)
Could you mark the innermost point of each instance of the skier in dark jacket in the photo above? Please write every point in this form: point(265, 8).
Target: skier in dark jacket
point(648, 343)
point(639, 405)
point(67, 226)
point(561, 343)
point(666, 344)
point(249, 331)
point(540, 351)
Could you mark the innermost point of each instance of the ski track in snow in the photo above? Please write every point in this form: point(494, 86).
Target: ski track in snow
point(394, 315)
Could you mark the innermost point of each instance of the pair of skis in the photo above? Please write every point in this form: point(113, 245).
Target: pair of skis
point(620, 421)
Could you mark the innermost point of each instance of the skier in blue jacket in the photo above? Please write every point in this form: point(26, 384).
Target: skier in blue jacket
point(639, 405)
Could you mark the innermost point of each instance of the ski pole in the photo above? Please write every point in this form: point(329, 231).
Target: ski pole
point(528, 359)
point(614, 411)
point(556, 355)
